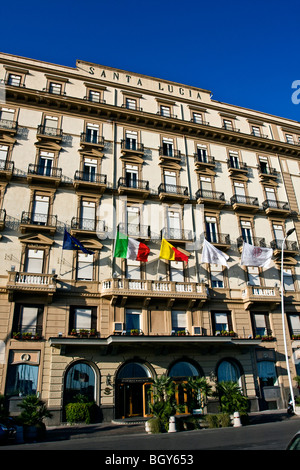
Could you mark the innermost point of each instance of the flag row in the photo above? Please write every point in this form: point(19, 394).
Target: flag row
point(129, 248)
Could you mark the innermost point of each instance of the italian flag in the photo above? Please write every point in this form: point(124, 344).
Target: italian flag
point(130, 248)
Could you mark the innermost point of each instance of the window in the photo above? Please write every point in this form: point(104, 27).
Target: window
point(206, 186)
point(130, 103)
point(92, 133)
point(202, 153)
point(216, 276)
point(7, 116)
point(256, 131)
point(14, 80)
point(40, 210)
point(131, 139)
point(174, 224)
point(179, 321)
point(168, 147)
point(253, 276)
point(133, 319)
point(3, 156)
point(82, 318)
point(176, 271)
point(170, 180)
point(222, 322)
point(227, 124)
point(234, 159)
point(228, 372)
point(85, 266)
point(55, 88)
point(88, 215)
point(271, 197)
point(131, 176)
point(165, 110)
point(264, 165)
point(211, 229)
point(80, 380)
point(261, 324)
point(89, 169)
point(267, 373)
point(133, 269)
point(28, 319)
point(240, 194)
point(94, 96)
point(289, 138)
point(133, 220)
point(294, 320)
point(279, 235)
point(288, 281)
point(45, 163)
point(50, 125)
point(22, 379)
point(197, 118)
point(246, 232)
point(34, 261)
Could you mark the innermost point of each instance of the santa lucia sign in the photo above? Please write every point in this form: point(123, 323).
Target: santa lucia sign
point(143, 82)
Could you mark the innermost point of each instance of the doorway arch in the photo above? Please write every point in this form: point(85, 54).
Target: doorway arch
point(133, 383)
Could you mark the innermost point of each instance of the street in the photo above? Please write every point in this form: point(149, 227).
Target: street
point(268, 436)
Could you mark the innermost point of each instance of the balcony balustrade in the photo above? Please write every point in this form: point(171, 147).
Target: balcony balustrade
point(92, 139)
point(177, 234)
point(6, 169)
point(133, 186)
point(135, 230)
point(255, 241)
point(241, 202)
point(210, 198)
point(169, 153)
point(93, 182)
point(6, 125)
point(255, 295)
point(174, 192)
point(131, 146)
point(279, 208)
point(49, 132)
point(204, 160)
point(79, 224)
point(31, 221)
point(31, 282)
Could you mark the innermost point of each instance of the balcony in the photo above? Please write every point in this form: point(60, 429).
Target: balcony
point(219, 240)
point(32, 283)
point(82, 226)
point(244, 203)
point(40, 174)
point(49, 133)
point(92, 182)
point(210, 198)
point(38, 222)
point(191, 292)
point(266, 174)
point(169, 154)
point(89, 141)
point(132, 187)
point(177, 235)
point(290, 247)
point(255, 241)
point(2, 218)
point(131, 147)
point(8, 127)
point(173, 192)
point(236, 168)
point(135, 230)
point(6, 170)
point(276, 208)
point(204, 161)
point(255, 296)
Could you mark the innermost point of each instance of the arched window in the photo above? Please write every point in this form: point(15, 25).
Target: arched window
point(80, 380)
point(180, 373)
point(228, 371)
point(133, 370)
point(183, 369)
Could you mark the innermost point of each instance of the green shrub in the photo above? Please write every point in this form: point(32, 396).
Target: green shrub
point(224, 420)
point(79, 412)
point(34, 411)
point(155, 425)
point(220, 420)
point(212, 421)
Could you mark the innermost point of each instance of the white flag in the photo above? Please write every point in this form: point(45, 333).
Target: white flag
point(211, 255)
point(256, 256)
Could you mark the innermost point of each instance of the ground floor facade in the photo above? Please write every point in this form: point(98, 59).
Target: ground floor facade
point(115, 367)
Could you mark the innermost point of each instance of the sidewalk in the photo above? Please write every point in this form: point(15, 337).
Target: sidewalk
point(66, 432)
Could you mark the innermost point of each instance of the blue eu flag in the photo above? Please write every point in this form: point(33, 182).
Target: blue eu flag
point(71, 243)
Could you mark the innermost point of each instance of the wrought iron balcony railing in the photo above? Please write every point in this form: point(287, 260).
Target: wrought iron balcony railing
point(255, 241)
point(6, 166)
point(135, 230)
point(288, 246)
point(236, 165)
point(132, 145)
point(173, 189)
point(91, 139)
point(8, 124)
point(208, 159)
point(240, 199)
point(169, 152)
point(133, 184)
point(270, 204)
point(177, 234)
point(49, 131)
point(90, 177)
point(208, 194)
point(32, 218)
point(218, 238)
point(41, 170)
point(90, 225)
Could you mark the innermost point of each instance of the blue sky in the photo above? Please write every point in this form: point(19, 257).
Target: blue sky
point(245, 52)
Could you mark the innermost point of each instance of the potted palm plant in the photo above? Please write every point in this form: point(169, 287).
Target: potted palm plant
point(33, 413)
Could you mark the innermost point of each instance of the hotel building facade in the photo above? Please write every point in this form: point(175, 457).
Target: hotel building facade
point(93, 150)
